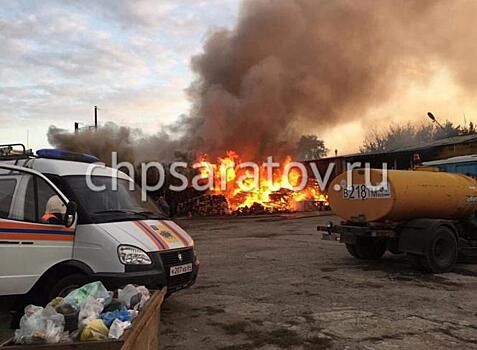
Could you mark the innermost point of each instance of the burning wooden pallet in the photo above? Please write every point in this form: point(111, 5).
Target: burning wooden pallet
point(217, 205)
point(205, 205)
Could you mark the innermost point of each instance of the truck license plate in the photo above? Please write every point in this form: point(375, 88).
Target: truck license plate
point(363, 192)
point(181, 269)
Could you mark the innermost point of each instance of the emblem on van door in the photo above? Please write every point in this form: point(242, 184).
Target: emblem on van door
point(179, 256)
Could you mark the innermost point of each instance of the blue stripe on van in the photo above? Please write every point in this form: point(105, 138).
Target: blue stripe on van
point(49, 232)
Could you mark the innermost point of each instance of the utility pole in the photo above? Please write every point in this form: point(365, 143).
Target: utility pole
point(96, 117)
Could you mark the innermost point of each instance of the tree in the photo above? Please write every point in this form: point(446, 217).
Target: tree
point(310, 147)
point(406, 135)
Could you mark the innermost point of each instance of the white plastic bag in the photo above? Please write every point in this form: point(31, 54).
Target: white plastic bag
point(53, 332)
point(129, 296)
point(146, 295)
point(90, 310)
point(117, 328)
point(40, 325)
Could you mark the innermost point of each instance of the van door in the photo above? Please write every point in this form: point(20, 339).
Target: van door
point(33, 236)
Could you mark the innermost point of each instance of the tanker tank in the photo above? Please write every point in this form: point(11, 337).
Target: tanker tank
point(409, 194)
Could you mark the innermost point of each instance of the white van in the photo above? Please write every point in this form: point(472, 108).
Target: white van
point(56, 234)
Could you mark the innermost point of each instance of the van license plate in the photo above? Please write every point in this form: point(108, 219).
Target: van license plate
point(179, 270)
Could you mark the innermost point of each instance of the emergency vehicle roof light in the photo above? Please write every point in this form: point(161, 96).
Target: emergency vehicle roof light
point(66, 155)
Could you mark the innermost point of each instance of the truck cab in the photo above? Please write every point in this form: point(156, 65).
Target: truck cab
point(57, 233)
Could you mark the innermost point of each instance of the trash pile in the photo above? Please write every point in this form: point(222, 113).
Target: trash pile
point(89, 313)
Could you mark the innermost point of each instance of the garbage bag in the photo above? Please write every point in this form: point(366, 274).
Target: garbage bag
point(55, 302)
point(71, 315)
point(117, 328)
point(94, 330)
point(115, 304)
point(66, 308)
point(129, 296)
point(94, 289)
point(145, 296)
point(40, 325)
point(121, 314)
point(90, 310)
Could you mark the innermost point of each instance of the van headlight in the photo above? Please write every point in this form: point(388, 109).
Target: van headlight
point(129, 255)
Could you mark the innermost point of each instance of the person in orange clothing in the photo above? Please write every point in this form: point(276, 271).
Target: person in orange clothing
point(54, 212)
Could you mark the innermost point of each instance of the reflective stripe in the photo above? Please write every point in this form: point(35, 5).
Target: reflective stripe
point(36, 237)
point(155, 234)
point(40, 232)
point(152, 238)
point(13, 224)
point(185, 242)
point(37, 232)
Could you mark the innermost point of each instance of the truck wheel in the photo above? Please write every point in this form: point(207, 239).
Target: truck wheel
point(393, 246)
point(370, 248)
point(441, 254)
point(417, 261)
point(351, 248)
point(66, 284)
point(395, 251)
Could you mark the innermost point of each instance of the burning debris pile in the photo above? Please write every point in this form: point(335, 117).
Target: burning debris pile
point(204, 205)
point(233, 189)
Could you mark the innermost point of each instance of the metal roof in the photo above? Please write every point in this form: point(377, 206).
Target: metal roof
point(459, 159)
point(437, 143)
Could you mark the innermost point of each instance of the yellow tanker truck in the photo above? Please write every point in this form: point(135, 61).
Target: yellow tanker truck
point(428, 214)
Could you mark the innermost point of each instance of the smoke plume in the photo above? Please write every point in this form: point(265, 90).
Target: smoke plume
point(290, 66)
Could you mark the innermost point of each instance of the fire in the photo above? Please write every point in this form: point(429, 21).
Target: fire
point(274, 190)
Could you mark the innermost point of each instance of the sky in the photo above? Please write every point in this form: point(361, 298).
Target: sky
point(58, 59)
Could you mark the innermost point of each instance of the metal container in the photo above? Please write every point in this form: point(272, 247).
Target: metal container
point(409, 194)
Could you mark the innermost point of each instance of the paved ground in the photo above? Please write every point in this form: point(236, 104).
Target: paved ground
point(268, 283)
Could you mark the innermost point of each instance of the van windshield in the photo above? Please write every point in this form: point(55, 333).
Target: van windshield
point(109, 205)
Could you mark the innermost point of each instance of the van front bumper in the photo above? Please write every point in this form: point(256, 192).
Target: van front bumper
point(153, 279)
point(156, 275)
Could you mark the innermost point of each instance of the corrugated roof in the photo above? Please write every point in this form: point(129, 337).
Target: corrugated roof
point(456, 140)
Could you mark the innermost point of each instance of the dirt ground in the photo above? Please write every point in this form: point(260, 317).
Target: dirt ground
point(271, 283)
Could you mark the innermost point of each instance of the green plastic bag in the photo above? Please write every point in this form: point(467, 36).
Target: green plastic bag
point(94, 289)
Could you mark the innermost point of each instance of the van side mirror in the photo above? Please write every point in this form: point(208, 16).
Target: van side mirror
point(70, 215)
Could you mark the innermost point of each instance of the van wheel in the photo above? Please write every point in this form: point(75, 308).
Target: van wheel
point(370, 248)
point(441, 254)
point(66, 285)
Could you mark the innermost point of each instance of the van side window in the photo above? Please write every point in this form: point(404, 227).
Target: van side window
point(17, 200)
point(26, 197)
point(7, 189)
point(51, 208)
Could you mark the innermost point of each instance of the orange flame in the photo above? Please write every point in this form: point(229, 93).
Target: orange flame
point(242, 190)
